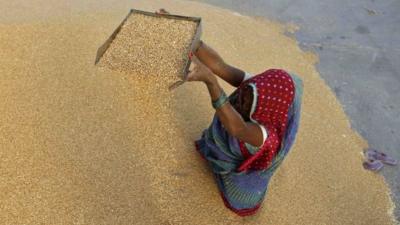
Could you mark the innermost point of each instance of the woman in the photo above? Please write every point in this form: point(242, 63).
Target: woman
point(252, 130)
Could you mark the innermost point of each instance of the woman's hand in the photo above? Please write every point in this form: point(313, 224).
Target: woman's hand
point(200, 72)
point(162, 11)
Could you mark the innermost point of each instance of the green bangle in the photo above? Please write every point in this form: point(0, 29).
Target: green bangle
point(222, 99)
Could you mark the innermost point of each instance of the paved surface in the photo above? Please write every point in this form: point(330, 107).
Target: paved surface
point(358, 42)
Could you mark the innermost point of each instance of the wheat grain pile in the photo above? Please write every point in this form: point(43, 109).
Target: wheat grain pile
point(154, 46)
point(82, 144)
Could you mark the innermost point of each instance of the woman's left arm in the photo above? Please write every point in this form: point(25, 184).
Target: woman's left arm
point(233, 122)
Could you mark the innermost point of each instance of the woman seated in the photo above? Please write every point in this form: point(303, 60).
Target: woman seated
point(252, 131)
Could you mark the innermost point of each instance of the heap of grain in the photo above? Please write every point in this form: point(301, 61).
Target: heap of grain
point(148, 45)
point(82, 145)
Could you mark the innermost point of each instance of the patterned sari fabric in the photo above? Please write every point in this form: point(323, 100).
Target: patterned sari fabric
point(242, 171)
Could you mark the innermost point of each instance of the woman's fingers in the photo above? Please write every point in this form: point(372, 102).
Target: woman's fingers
point(196, 60)
point(199, 71)
point(195, 63)
point(162, 11)
point(192, 76)
point(195, 74)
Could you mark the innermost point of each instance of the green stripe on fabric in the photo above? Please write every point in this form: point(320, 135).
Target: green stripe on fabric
point(252, 149)
point(238, 194)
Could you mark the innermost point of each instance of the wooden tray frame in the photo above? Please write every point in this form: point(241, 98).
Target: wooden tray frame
point(103, 48)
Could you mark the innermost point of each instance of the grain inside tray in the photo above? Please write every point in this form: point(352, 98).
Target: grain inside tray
point(148, 45)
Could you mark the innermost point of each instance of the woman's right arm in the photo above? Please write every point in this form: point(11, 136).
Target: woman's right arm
point(233, 122)
point(213, 60)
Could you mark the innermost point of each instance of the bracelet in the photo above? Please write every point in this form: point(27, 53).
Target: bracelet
point(222, 99)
